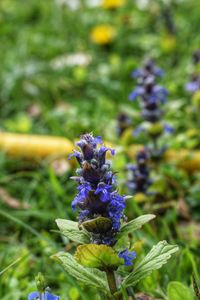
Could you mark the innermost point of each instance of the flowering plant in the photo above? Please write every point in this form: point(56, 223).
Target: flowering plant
point(102, 229)
point(152, 97)
point(139, 175)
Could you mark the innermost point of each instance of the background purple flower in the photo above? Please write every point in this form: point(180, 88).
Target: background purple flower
point(128, 257)
point(45, 296)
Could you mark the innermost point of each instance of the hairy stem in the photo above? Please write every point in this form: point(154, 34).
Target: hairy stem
point(111, 281)
point(113, 286)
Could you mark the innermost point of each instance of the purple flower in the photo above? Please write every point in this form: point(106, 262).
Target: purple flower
point(102, 154)
point(115, 209)
point(138, 91)
point(110, 178)
point(78, 156)
point(43, 296)
point(149, 68)
point(160, 93)
point(150, 93)
point(104, 190)
point(138, 175)
point(192, 86)
point(168, 128)
point(89, 139)
point(83, 214)
point(83, 191)
point(128, 257)
point(138, 130)
point(151, 115)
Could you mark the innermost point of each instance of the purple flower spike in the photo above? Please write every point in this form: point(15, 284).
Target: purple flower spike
point(138, 174)
point(152, 96)
point(97, 195)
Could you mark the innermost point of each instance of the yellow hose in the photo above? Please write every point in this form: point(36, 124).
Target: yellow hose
point(34, 146)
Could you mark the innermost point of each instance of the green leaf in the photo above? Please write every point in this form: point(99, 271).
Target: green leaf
point(71, 230)
point(98, 256)
point(154, 260)
point(98, 225)
point(87, 276)
point(134, 224)
point(121, 244)
point(178, 291)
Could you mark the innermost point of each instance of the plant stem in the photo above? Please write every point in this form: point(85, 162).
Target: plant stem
point(111, 281)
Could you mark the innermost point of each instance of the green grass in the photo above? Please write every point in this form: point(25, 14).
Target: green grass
point(32, 35)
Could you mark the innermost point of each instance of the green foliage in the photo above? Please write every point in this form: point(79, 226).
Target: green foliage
point(134, 225)
point(98, 256)
point(88, 276)
point(178, 291)
point(41, 93)
point(71, 230)
point(98, 225)
point(122, 243)
point(158, 256)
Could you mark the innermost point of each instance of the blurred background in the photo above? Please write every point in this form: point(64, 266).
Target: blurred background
point(65, 69)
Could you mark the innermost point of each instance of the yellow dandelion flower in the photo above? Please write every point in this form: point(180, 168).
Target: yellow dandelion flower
point(102, 34)
point(110, 4)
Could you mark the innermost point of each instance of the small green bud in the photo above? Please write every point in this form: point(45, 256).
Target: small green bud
point(40, 282)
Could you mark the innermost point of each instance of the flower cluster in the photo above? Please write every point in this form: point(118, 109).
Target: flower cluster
point(97, 195)
point(152, 97)
point(194, 84)
point(138, 176)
